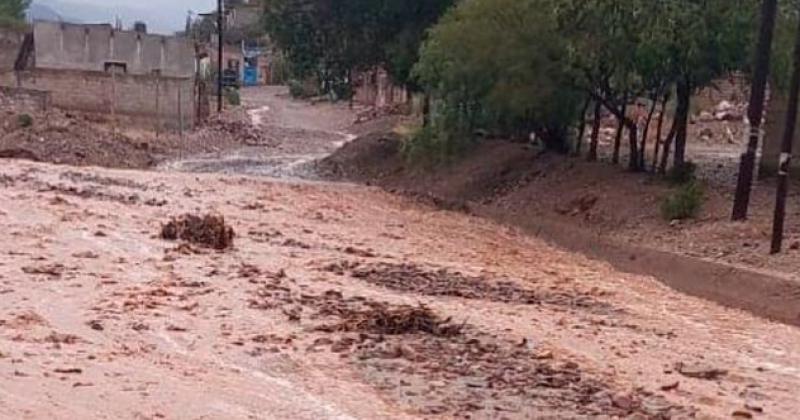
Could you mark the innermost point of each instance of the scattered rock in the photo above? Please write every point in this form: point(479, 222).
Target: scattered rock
point(700, 371)
point(95, 325)
point(71, 371)
point(86, 255)
point(52, 270)
point(670, 386)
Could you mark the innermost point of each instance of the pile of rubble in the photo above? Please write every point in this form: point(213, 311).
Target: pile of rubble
point(380, 318)
point(230, 126)
point(723, 111)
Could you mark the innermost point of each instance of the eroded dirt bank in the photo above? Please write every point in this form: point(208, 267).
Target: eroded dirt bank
point(304, 317)
point(604, 212)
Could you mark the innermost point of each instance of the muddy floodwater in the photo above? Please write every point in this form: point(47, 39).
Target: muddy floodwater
point(301, 134)
point(341, 302)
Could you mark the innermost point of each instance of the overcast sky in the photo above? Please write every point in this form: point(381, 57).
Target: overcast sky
point(155, 5)
point(161, 15)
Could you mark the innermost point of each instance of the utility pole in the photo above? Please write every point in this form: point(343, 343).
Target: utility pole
point(786, 152)
point(220, 30)
point(755, 112)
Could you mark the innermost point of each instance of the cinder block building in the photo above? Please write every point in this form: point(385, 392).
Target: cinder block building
point(148, 79)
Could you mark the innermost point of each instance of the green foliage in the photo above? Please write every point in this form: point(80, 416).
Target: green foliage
point(683, 203)
point(430, 145)
point(24, 120)
point(683, 174)
point(514, 67)
point(12, 12)
point(498, 65)
point(296, 88)
point(328, 39)
point(783, 46)
point(232, 96)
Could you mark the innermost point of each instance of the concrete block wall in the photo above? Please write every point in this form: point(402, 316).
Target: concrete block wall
point(89, 47)
point(127, 95)
point(377, 89)
point(24, 99)
point(10, 43)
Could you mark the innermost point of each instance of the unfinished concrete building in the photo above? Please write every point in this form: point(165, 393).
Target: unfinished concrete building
point(143, 78)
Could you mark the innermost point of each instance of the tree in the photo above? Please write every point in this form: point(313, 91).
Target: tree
point(704, 39)
point(627, 49)
point(13, 11)
point(328, 39)
point(498, 65)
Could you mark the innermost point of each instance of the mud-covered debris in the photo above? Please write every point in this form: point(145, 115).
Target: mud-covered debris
point(209, 231)
point(68, 371)
point(52, 270)
point(700, 371)
point(381, 318)
point(86, 255)
point(412, 278)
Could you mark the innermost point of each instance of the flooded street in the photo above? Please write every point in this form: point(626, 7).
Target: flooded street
point(301, 134)
point(338, 302)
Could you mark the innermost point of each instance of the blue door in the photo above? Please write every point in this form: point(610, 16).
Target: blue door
point(250, 76)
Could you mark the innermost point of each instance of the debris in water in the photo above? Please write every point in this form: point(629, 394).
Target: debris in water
point(209, 230)
point(395, 320)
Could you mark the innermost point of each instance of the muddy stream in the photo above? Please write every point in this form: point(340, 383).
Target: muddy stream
point(305, 134)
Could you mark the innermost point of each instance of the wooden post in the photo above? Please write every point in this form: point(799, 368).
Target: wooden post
point(180, 112)
point(220, 39)
point(755, 113)
point(158, 104)
point(786, 153)
point(113, 103)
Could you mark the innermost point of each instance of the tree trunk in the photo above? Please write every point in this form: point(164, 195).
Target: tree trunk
point(618, 139)
point(682, 122)
point(755, 112)
point(658, 130)
point(633, 162)
point(645, 133)
point(426, 110)
point(582, 128)
point(598, 108)
point(662, 169)
point(784, 164)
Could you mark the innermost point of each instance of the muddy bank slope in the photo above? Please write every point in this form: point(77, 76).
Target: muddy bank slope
point(601, 211)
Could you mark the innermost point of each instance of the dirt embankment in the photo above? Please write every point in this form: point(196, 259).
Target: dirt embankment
point(601, 211)
point(78, 139)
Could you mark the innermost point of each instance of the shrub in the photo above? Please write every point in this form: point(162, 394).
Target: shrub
point(300, 89)
point(296, 88)
point(24, 120)
point(683, 203)
point(233, 97)
point(683, 174)
point(430, 145)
